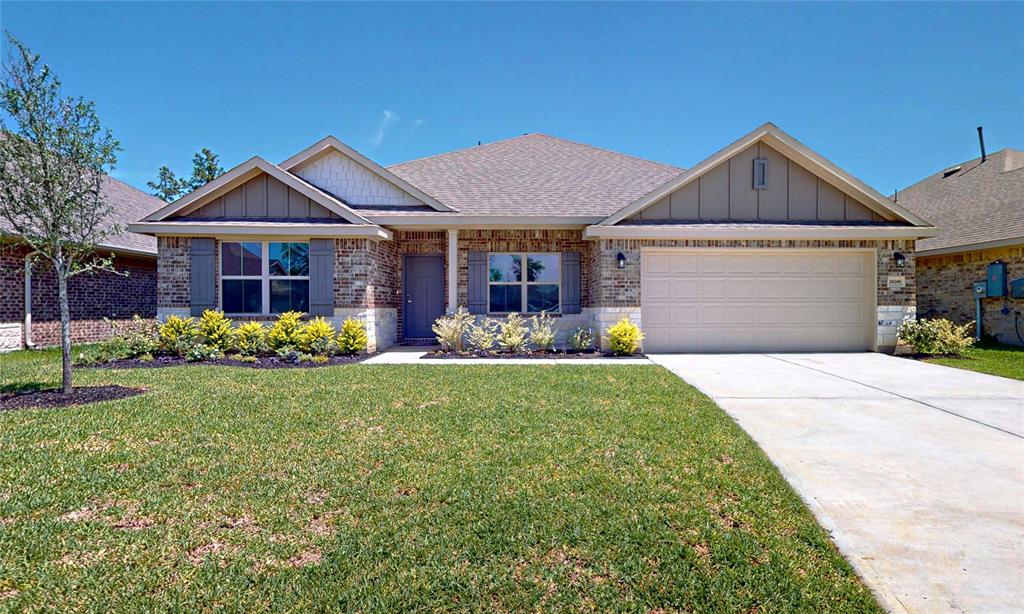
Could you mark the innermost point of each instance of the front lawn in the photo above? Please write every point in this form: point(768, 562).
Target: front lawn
point(389, 488)
point(991, 358)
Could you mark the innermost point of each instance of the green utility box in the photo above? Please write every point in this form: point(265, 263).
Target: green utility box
point(996, 279)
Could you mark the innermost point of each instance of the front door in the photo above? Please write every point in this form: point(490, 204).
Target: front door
point(424, 294)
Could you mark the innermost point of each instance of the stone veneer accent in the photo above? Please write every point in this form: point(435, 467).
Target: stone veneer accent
point(945, 290)
point(353, 182)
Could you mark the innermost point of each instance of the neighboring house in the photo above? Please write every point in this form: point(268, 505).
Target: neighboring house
point(764, 246)
point(29, 311)
point(978, 207)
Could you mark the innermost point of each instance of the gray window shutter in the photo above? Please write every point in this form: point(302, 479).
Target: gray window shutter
point(321, 277)
point(571, 291)
point(477, 282)
point(202, 252)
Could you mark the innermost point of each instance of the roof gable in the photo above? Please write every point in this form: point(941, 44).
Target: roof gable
point(349, 175)
point(242, 174)
point(797, 153)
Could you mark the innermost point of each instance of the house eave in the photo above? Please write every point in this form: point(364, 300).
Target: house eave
point(283, 229)
point(670, 231)
point(428, 222)
point(971, 247)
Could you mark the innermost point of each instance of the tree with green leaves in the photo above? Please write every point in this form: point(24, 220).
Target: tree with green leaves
point(53, 155)
point(205, 168)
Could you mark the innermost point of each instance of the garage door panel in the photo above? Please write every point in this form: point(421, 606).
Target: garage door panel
point(721, 301)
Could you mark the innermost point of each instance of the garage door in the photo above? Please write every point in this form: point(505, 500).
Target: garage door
point(757, 300)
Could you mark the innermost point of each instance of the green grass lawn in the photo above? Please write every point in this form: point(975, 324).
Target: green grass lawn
point(991, 358)
point(387, 488)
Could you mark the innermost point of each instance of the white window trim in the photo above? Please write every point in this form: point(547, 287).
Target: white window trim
point(265, 277)
point(523, 283)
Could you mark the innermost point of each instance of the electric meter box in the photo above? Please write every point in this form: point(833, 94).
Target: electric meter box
point(1017, 288)
point(996, 279)
point(980, 289)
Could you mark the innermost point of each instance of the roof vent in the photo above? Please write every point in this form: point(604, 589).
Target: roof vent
point(951, 171)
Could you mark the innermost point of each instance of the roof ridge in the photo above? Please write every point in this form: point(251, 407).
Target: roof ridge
point(461, 149)
point(606, 150)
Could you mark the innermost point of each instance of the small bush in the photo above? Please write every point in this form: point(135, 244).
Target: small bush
point(542, 333)
point(288, 354)
point(178, 335)
point(134, 337)
point(581, 339)
point(318, 337)
point(483, 336)
point(352, 339)
point(451, 330)
point(251, 339)
point(624, 337)
point(216, 330)
point(938, 336)
point(248, 359)
point(200, 352)
point(286, 331)
point(512, 334)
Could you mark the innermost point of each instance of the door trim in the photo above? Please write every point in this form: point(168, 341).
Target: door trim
point(405, 285)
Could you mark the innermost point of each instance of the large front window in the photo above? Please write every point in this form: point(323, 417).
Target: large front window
point(530, 289)
point(264, 277)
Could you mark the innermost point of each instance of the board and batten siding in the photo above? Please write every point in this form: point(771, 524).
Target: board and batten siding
point(726, 192)
point(264, 197)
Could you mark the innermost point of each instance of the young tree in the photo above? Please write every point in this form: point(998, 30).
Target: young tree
point(52, 160)
point(205, 168)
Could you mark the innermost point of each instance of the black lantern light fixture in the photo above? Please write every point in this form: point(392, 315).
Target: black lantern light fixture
point(621, 258)
point(899, 260)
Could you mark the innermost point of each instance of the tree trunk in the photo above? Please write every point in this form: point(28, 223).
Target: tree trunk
point(65, 328)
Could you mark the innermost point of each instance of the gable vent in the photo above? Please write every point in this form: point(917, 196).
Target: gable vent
point(760, 173)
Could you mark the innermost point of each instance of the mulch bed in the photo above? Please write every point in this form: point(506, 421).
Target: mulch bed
point(80, 395)
point(267, 362)
point(535, 355)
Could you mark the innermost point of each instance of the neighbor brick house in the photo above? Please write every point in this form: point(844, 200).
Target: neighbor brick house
point(764, 246)
point(29, 311)
point(978, 207)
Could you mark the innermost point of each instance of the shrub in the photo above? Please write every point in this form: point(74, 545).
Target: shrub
point(512, 334)
point(286, 330)
point(451, 330)
point(200, 352)
point(483, 336)
point(542, 334)
point(134, 337)
point(251, 339)
point(178, 335)
point(216, 330)
point(938, 336)
point(352, 339)
point(288, 354)
point(624, 337)
point(318, 337)
point(581, 339)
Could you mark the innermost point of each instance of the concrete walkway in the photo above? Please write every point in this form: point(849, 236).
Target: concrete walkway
point(409, 356)
point(917, 469)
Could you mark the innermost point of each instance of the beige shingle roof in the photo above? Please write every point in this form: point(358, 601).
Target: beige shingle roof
point(978, 203)
point(535, 174)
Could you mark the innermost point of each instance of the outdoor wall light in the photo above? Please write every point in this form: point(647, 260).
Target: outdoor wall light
point(622, 260)
point(899, 259)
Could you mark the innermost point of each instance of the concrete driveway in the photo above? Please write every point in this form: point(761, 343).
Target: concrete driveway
point(917, 469)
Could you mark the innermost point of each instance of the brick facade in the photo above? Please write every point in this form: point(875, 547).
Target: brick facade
point(92, 297)
point(945, 290)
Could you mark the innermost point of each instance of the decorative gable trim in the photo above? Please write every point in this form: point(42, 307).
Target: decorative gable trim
point(330, 143)
point(796, 152)
point(245, 172)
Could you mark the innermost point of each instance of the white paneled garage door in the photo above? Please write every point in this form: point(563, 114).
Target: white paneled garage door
point(769, 300)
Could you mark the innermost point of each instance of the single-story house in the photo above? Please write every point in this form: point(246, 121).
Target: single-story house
point(978, 207)
point(29, 311)
point(763, 246)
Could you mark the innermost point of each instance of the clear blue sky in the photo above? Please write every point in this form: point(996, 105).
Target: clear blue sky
point(891, 92)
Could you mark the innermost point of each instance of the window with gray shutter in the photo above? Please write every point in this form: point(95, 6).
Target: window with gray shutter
point(202, 263)
point(477, 290)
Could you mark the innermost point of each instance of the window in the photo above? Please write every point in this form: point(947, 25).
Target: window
point(538, 290)
point(264, 277)
point(760, 173)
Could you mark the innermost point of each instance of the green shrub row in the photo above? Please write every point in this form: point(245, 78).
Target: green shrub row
point(213, 335)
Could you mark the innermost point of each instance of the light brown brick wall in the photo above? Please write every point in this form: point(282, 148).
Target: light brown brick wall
point(945, 290)
point(615, 287)
point(173, 272)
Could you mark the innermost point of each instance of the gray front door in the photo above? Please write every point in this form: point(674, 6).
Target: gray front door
point(424, 294)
